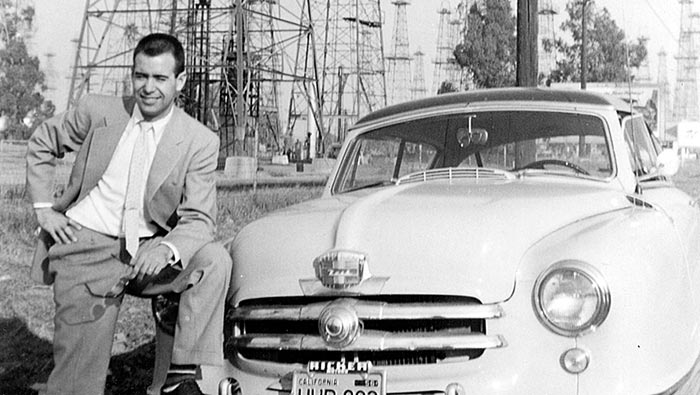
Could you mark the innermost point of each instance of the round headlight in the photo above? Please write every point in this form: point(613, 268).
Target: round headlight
point(571, 298)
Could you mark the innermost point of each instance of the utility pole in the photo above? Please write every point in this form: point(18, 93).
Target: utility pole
point(584, 63)
point(241, 123)
point(526, 69)
point(526, 74)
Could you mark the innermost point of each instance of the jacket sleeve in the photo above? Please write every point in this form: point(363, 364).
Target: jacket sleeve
point(196, 212)
point(54, 138)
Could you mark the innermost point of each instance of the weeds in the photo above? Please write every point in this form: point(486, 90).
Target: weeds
point(238, 208)
point(17, 222)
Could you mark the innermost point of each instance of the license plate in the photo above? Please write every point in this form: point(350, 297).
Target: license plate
point(314, 381)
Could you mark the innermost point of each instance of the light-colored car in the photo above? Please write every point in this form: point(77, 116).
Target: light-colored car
point(510, 241)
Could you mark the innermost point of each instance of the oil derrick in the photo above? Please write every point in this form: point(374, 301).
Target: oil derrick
point(418, 89)
point(445, 67)
point(662, 112)
point(399, 60)
point(266, 63)
point(454, 70)
point(342, 64)
point(465, 77)
point(547, 35)
point(214, 93)
point(685, 106)
point(108, 33)
point(643, 72)
point(248, 112)
point(50, 72)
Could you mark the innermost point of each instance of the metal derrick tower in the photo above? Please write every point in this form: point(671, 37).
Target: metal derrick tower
point(663, 98)
point(399, 60)
point(685, 105)
point(343, 67)
point(547, 33)
point(418, 89)
point(446, 68)
point(234, 92)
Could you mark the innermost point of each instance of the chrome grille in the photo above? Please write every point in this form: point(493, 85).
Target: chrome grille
point(451, 173)
point(412, 330)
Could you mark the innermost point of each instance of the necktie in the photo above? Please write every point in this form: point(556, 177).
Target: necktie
point(134, 189)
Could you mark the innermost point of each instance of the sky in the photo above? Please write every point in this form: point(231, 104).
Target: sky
point(58, 27)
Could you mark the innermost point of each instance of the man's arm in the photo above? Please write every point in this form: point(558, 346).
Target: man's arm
point(54, 138)
point(197, 209)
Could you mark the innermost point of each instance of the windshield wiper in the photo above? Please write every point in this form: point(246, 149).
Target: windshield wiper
point(564, 173)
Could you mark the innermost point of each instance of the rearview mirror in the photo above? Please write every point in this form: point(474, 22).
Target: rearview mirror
point(467, 137)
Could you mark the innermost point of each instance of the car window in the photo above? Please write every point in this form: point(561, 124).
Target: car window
point(541, 141)
point(384, 155)
point(640, 147)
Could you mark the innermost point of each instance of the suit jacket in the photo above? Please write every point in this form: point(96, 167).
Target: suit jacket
point(180, 196)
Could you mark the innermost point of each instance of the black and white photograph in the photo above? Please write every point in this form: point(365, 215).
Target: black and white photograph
point(349, 197)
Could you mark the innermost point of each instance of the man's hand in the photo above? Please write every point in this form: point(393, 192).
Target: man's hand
point(151, 261)
point(59, 226)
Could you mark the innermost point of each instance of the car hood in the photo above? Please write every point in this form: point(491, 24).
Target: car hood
point(460, 238)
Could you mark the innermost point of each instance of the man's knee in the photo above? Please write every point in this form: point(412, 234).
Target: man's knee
point(215, 257)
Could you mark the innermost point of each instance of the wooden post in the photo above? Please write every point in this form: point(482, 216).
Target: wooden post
point(584, 62)
point(527, 68)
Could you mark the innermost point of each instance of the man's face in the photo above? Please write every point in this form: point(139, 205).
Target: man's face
point(155, 84)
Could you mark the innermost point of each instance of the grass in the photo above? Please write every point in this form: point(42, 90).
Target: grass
point(26, 308)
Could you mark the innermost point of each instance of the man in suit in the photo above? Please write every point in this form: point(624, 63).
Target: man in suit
point(139, 205)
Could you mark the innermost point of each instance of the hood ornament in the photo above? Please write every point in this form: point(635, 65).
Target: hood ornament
point(342, 272)
point(340, 269)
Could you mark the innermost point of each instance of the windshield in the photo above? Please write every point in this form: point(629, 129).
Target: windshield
point(527, 141)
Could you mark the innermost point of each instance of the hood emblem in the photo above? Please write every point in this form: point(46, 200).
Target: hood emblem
point(339, 269)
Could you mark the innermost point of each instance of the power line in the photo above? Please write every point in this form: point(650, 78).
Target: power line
point(663, 23)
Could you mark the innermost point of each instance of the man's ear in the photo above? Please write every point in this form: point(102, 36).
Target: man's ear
point(181, 79)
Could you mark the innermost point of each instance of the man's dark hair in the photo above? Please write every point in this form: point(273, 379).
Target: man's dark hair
point(159, 43)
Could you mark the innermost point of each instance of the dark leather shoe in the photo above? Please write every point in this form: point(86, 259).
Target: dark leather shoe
point(186, 387)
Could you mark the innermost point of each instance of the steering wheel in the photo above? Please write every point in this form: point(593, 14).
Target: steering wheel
point(540, 164)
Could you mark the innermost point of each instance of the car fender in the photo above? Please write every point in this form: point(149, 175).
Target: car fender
point(639, 253)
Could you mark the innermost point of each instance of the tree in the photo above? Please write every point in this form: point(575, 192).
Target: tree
point(488, 50)
point(446, 87)
point(22, 104)
point(606, 48)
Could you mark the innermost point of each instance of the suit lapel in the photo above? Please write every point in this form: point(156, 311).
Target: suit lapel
point(167, 155)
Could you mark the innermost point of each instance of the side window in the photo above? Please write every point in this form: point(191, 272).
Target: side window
point(640, 147)
point(382, 160)
point(373, 162)
point(380, 156)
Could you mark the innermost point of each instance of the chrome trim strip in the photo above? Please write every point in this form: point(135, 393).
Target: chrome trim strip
point(369, 310)
point(375, 341)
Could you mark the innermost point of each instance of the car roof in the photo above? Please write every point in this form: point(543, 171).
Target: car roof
point(499, 95)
